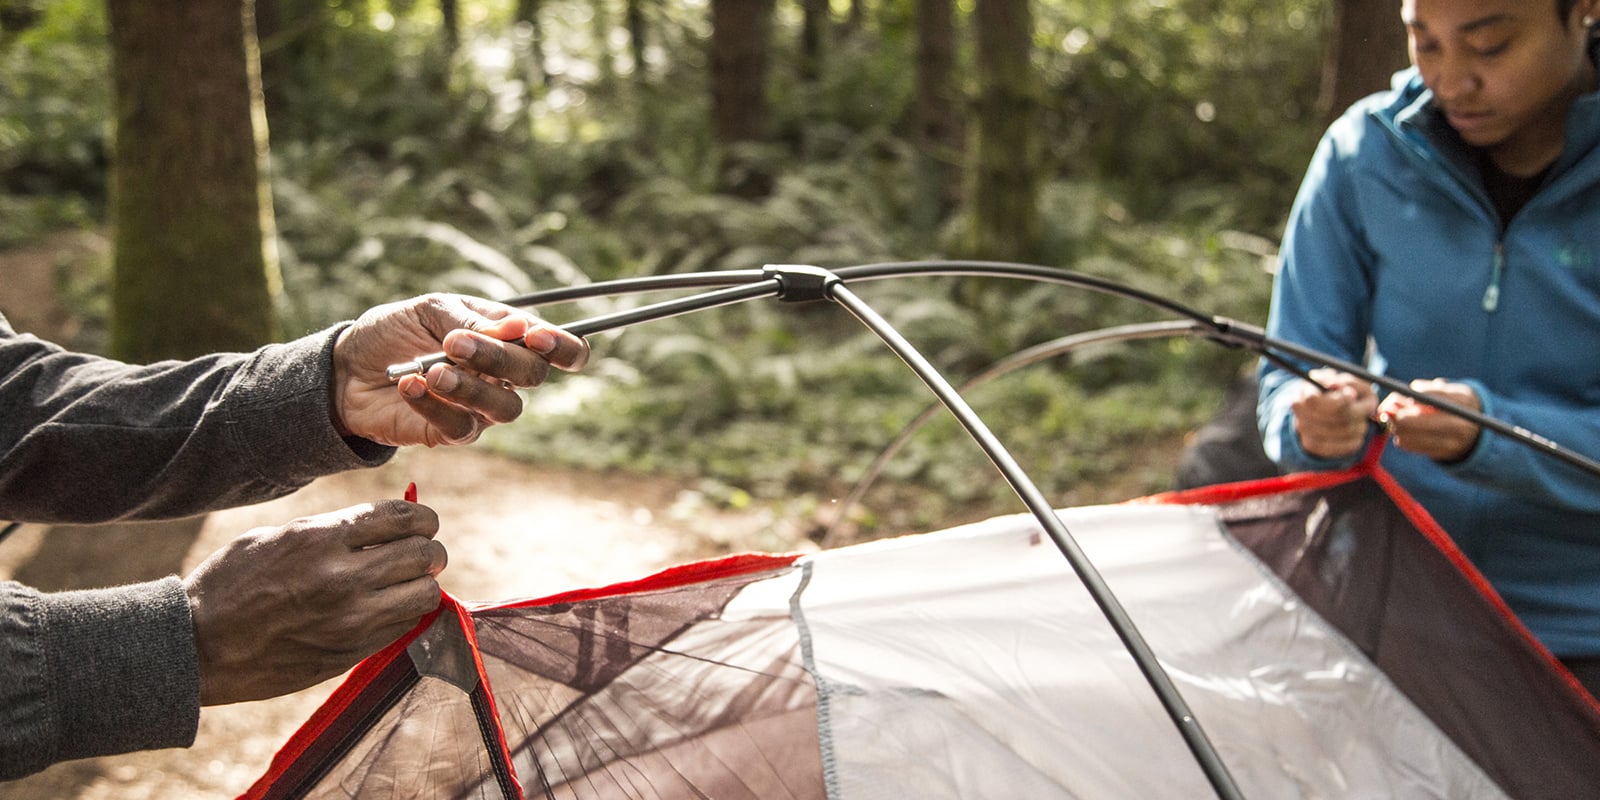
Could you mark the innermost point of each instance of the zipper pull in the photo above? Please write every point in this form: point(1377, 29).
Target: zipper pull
point(1491, 295)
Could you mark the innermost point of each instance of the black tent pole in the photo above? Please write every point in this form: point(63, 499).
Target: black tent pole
point(1223, 330)
point(1189, 727)
point(1253, 338)
point(647, 283)
point(797, 283)
point(764, 286)
point(800, 283)
point(1015, 361)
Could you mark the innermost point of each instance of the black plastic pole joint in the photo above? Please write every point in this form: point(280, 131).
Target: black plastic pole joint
point(802, 283)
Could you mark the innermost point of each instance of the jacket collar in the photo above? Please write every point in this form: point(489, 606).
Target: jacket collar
point(1412, 114)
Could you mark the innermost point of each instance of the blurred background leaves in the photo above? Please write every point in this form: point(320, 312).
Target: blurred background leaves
point(497, 147)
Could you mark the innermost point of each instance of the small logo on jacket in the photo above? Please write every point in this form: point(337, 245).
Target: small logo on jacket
point(1576, 256)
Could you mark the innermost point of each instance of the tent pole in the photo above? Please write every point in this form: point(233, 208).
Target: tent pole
point(800, 283)
point(1022, 358)
point(1189, 727)
point(762, 287)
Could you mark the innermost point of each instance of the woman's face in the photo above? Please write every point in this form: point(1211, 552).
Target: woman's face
point(1504, 72)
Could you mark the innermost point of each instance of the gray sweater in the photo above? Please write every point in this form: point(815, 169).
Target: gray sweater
point(85, 439)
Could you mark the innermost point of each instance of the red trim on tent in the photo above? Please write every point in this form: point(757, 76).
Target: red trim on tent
point(471, 632)
point(1298, 481)
point(341, 699)
point(1425, 523)
point(373, 666)
point(680, 575)
point(1369, 467)
point(1222, 494)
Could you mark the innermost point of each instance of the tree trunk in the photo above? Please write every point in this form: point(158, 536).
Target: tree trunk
point(938, 126)
point(450, 24)
point(190, 212)
point(741, 32)
point(1004, 176)
point(637, 29)
point(1366, 46)
point(813, 37)
point(528, 12)
point(858, 12)
point(600, 18)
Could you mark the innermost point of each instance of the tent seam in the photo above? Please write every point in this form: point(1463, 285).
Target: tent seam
point(830, 772)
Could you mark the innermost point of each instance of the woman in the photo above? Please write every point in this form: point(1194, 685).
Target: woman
point(1447, 234)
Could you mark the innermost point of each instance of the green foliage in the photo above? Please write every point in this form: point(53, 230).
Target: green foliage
point(1184, 106)
point(54, 102)
point(26, 218)
point(1174, 134)
point(783, 401)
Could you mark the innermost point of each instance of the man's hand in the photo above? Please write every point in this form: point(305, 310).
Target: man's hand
point(1332, 423)
point(280, 609)
point(453, 403)
point(1418, 429)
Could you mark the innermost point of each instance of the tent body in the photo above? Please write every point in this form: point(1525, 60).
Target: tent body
point(1328, 638)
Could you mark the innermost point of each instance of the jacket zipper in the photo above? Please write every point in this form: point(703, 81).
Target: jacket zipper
point(1491, 295)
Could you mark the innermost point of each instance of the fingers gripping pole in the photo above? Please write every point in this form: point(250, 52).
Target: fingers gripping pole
point(758, 286)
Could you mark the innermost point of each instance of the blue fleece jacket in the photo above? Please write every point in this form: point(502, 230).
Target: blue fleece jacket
point(1395, 257)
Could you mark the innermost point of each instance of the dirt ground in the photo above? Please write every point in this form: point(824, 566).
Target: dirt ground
point(513, 530)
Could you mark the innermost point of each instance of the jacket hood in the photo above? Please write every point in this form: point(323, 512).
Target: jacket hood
point(1407, 109)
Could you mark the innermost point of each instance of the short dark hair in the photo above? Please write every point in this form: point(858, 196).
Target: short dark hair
point(1564, 9)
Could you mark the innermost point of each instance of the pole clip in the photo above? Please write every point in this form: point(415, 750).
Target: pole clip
point(802, 283)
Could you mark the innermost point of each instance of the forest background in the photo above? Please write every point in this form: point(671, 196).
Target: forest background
point(265, 168)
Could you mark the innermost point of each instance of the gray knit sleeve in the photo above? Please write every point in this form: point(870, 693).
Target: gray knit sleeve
point(93, 673)
point(86, 439)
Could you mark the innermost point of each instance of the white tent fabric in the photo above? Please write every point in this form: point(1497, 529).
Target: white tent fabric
point(1327, 638)
point(999, 677)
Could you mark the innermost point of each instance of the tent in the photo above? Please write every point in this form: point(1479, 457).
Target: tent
point(1313, 636)
point(1325, 632)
